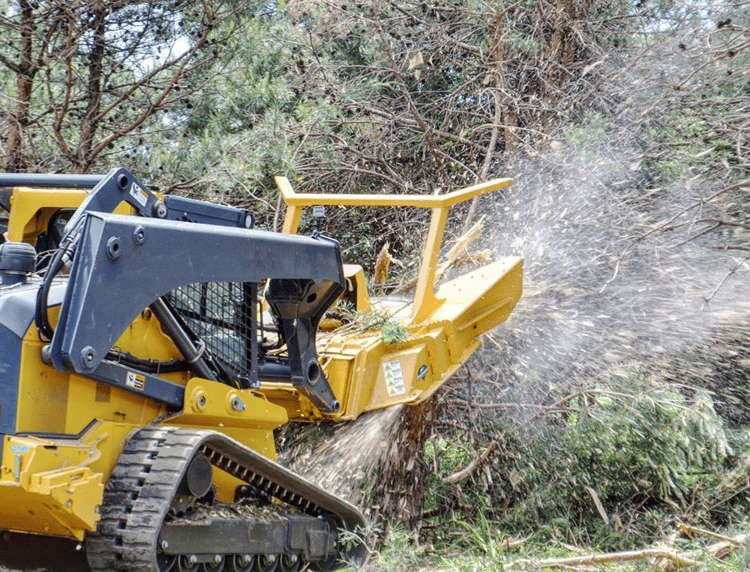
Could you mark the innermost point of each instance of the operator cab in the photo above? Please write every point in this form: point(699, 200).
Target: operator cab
point(51, 237)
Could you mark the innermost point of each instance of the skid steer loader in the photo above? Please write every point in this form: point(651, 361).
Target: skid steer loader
point(151, 345)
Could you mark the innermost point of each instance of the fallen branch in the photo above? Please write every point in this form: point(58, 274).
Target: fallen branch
point(724, 548)
point(720, 549)
point(609, 558)
point(689, 529)
point(662, 557)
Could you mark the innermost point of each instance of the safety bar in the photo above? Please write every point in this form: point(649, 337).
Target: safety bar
point(425, 301)
point(50, 181)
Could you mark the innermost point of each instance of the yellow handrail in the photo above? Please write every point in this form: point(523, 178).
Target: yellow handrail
point(425, 301)
point(292, 198)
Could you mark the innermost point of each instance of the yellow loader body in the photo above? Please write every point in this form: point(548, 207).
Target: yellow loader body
point(92, 441)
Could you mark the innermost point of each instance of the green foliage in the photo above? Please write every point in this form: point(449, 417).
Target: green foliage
point(393, 332)
point(654, 451)
point(378, 318)
point(610, 472)
point(405, 555)
point(587, 135)
point(454, 502)
point(481, 536)
point(243, 130)
point(109, 73)
point(688, 139)
point(399, 551)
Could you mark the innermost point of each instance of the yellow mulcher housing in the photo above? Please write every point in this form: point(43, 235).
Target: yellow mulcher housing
point(149, 346)
point(444, 325)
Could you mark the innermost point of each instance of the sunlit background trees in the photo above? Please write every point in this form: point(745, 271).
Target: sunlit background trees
point(625, 123)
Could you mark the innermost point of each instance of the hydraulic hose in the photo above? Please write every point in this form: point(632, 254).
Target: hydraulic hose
point(192, 355)
point(63, 254)
point(41, 318)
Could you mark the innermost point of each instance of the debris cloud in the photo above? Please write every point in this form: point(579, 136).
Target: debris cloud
point(602, 288)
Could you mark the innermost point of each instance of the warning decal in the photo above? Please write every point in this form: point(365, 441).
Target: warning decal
point(138, 194)
point(135, 380)
point(394, 378)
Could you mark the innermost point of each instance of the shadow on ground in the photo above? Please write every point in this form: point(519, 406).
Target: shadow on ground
point(25, 553)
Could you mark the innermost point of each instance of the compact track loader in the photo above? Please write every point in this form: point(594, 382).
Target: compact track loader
point(149, 346)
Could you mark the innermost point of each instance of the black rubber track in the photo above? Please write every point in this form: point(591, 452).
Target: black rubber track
point(143, 483)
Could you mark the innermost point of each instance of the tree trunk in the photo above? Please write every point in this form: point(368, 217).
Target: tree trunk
point(25, 70)
point(90, 121)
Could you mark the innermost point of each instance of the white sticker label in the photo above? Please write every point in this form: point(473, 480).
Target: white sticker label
point(19, 448)
point(135, 381)
point(394, 378)
point(138, 194)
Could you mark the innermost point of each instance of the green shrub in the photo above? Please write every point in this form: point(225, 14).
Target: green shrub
point(613, 471)
point(621, 465)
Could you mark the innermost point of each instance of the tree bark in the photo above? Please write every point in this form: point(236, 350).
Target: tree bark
point(90, 121)
point(25, 70)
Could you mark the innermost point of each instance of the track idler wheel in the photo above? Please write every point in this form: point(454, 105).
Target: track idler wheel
point(187, 563)
point(266, 563)
point(216, 566)
point(240, 563)
point(289, 563)
point(198, 478)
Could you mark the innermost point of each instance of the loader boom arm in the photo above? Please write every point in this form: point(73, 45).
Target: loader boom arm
point(122, 264)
